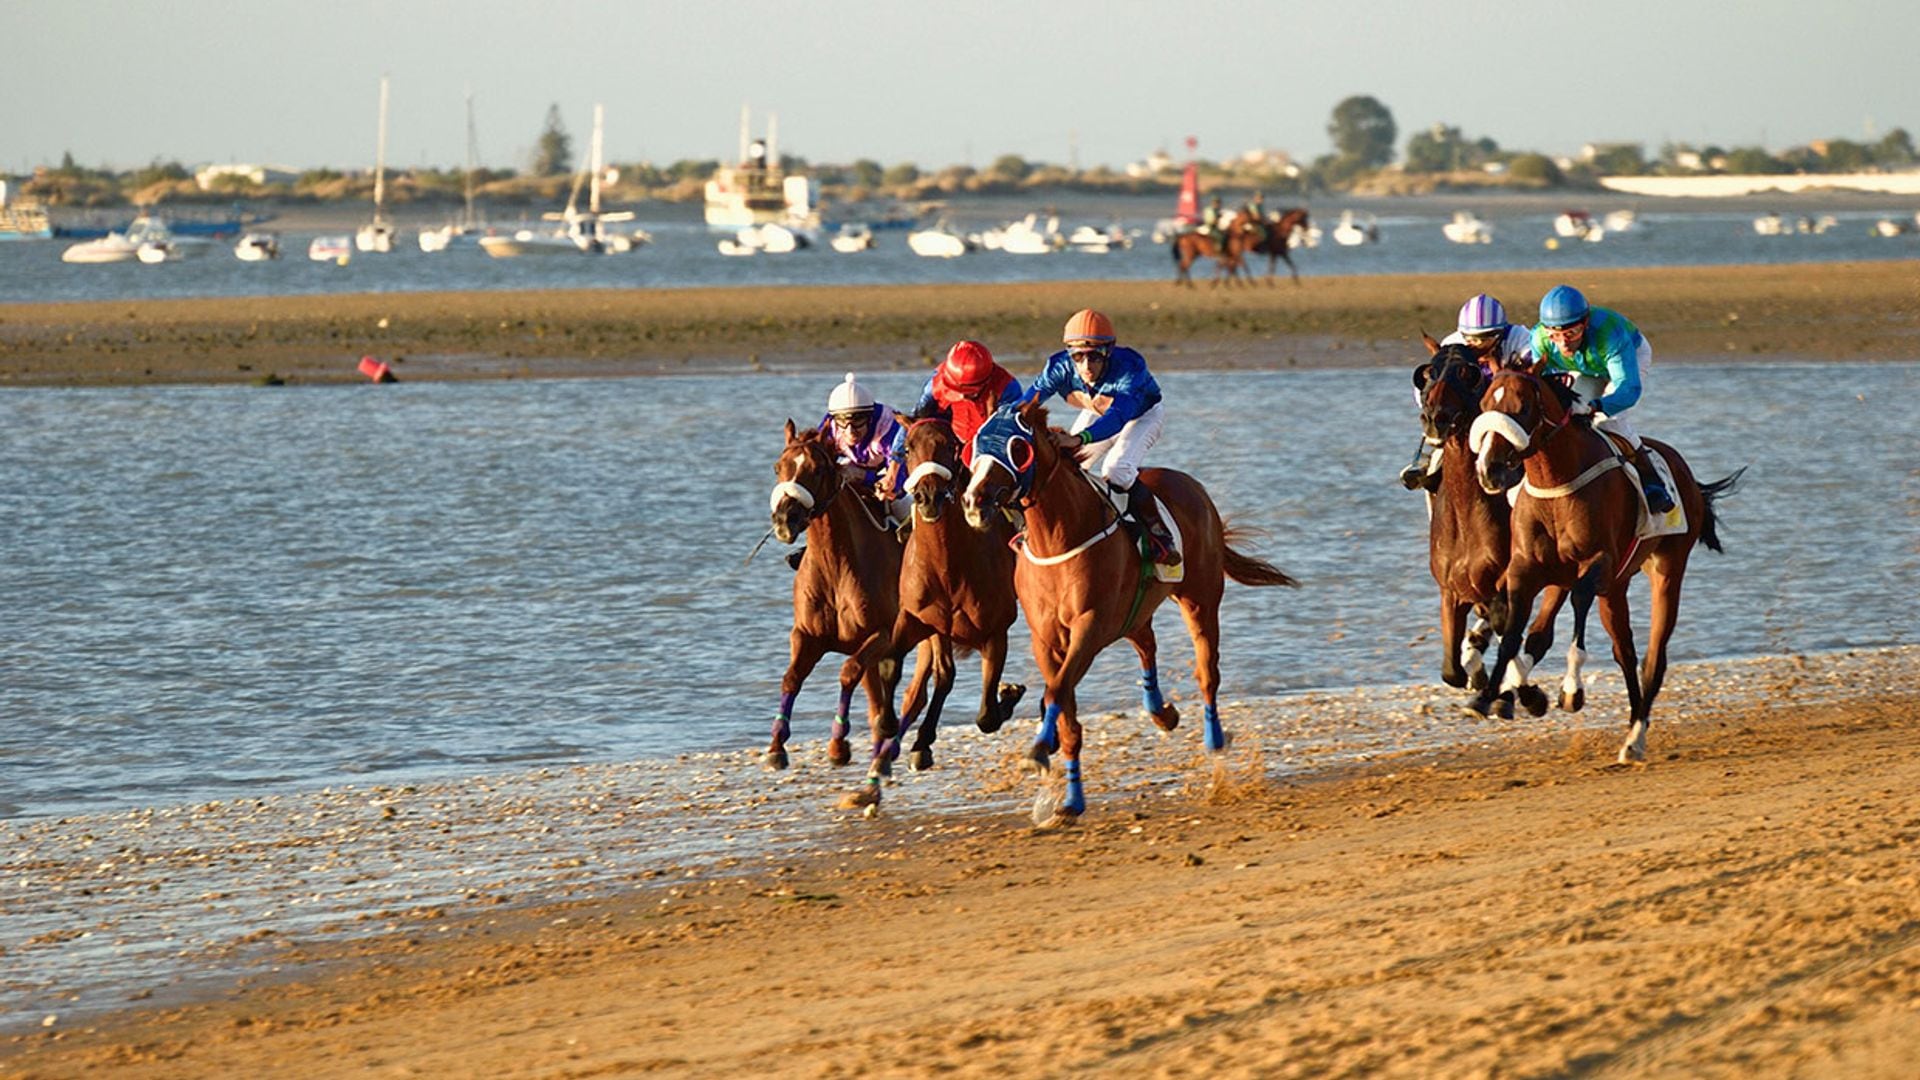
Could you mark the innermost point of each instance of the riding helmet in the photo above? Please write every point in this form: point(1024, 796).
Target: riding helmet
point(1482, 315)
point(849, 397)
point(1562, 306)
point(968, 365)
point(1088, 325)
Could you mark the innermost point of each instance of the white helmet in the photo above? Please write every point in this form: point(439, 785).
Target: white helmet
point(848, 397)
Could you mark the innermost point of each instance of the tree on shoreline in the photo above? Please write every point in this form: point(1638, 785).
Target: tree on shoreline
point(553, 153)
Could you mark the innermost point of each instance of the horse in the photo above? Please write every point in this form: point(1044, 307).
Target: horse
point(846, 593)
point(1193, 245)
point(1275, 243)
point(1575, 521)
point(1468, 541)
point(1083, 583)
point(956, 588)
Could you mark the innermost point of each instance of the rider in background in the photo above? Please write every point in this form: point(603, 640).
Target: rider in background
point(1256, 212)
point(1120, 419)
point(862, 433)
point(965, 389)
point(1210, 218)
point(1497, 343)
point(1607, 357)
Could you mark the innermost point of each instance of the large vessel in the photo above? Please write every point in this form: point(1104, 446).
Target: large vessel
point(22, 218)
point(758, 191)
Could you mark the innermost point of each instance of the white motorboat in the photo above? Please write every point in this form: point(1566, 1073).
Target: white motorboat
point(583, 232)
point(1467, 228)
point(938, 242)
point(170, 249)
point(121, 247)
point(377, 236)
point(852, 238)
point(257, 247)
point(1817, 226)
point(333, 249)
point(1353, 230)
point(1028, 236)
point(1890, 227)
point(1772, 225)
point(1093, 240)
point(1620, 221)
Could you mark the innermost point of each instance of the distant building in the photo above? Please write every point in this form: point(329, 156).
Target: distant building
point(1592, 151)
point(252, 174)
point(1157, 162)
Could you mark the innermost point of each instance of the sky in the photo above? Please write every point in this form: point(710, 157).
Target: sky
point(1087, 82)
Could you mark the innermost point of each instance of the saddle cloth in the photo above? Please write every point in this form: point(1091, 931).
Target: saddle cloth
point(1169, 574)
point(1651, 525)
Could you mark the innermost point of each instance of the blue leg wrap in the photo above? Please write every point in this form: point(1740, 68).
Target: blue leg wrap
point(1150, 691)
point(1216, 735)
point(1048, 736)
point(1076, 800)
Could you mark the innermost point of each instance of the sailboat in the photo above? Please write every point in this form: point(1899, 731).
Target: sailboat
point(584, 232)
point(377, 235)
point(440, 239)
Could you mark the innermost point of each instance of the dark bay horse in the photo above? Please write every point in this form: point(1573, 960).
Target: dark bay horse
point(1083, 584)
point(1575, 521)
point(956, 589)
point(1469, 540)
point(845, 595)
point(1277, 242)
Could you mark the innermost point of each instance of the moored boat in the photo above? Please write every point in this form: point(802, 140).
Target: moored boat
point(1467, 228)
point(330, 249)
point(22, 218)
point(257, 247)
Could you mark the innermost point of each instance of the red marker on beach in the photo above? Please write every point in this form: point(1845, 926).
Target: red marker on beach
point(376, 370)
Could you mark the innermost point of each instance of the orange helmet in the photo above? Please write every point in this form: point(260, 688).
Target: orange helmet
point(968, 366)
point(1089, 325)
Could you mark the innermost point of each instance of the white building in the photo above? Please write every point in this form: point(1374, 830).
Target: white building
point(252, 174)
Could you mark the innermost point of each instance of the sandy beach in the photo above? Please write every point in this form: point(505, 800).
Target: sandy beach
point(1844, 311)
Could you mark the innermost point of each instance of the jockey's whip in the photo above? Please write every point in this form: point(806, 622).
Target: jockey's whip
point(758, 546)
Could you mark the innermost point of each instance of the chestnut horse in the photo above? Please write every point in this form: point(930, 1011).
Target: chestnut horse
point(1276, 242)
point(1193, 245)
point(1083, 584)
point(845, 595)
point(1469, 539)
point(956, 588)
point(1575, 521)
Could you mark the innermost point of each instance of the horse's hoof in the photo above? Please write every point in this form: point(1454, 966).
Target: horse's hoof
point(1167, 718)
point(867, 795)
point(1478, 706)
point(1533, 699)
point(1575, 701)
point(1503, 708)
point(1010, 695)
point(882, 766)
point(989, 722)
point(838, 752)
point(1477, 680)
point(1038, 761)
point(1457, 679)
point(920, 760)
point(777, 758)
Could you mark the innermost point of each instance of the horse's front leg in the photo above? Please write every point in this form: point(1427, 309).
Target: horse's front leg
point(1509, 616)
point(1573, 688)
point(806, 651)
point(1163, 714)
point(1454, 663)
point(997, 699)
point(938, 653)
point(1539, 639)
point(1063, 710)
point(864, 668)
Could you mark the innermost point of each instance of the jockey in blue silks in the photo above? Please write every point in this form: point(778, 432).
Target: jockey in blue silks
point(1120, 419)
point(1608, 358)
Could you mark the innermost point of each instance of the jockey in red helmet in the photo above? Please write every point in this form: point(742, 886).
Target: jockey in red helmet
point(965, 389)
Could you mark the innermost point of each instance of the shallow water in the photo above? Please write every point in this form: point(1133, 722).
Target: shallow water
point(224, 592)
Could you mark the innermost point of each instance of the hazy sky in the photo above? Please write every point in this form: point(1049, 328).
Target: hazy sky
point(295, 82)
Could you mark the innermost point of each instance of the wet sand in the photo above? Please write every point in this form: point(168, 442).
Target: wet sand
point(1847, 311)
point(1746, 904)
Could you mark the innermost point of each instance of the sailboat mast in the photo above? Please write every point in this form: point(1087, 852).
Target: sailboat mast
point(745, 118)
point(468, 224)
point(380, 157)
point(593, 198)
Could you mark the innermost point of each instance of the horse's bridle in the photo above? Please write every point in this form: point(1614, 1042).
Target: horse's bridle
point(804, 495)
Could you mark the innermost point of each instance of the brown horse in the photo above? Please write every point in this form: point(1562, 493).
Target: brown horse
point(1469, 539)
point(1194, 245)
point(1083, 584)
point(1575, 521)
point(1276, 242)
point(956, 588)
point(845, 595)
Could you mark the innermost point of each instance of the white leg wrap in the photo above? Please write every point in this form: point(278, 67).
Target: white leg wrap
point(1635, 748)
point(1517, 673)
point(1576, 657)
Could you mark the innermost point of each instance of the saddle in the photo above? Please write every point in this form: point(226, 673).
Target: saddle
point(1649, 525)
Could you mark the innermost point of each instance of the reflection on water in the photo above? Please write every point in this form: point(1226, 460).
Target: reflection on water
point(213, 591)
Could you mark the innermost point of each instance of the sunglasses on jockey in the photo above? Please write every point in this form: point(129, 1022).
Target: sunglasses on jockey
point(1089, 352)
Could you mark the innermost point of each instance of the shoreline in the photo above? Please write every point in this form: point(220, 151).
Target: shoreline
point(1843, 311)
point(1510, 904)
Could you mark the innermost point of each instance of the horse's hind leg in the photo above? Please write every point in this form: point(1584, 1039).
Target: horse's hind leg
point(1454, 669)
point(997, 699)
point(1573, 689)
point(1164, 715)
point(938, 651)
point(1619, 623)
point(1663, 580)
point(806, 652)
point(1203, 625)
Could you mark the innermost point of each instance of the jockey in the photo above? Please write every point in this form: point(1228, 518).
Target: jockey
point(1607, 357)
point(966, 389)
point(1120, 419)
point(1482, 327)
point(861, 432)
point(1211, 221)
point(1256, 212)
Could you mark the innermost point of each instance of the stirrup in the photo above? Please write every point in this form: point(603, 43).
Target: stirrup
point(1659, 501)
point(1161, 549)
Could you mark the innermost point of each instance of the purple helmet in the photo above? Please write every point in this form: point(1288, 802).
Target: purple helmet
point(1482, 315)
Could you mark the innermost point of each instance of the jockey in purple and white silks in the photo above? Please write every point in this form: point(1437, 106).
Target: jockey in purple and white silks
point(1482, 327)
point(861, 432)
point(1608, 358)
point(1120, 419)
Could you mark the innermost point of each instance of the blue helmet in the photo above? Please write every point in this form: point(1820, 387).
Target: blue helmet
point(1563, 306)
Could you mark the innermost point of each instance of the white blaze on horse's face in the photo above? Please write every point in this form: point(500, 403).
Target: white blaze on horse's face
point(970, 501)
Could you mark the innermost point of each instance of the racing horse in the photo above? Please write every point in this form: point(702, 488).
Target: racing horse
point(956, 589)
point(1575, 522)
point(1468, 541)
point(1276, 242)
point(845, 594)
point(1083, 583)
point(1225, 249)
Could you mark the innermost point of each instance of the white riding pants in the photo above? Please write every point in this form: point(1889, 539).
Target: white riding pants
point(1117, 460)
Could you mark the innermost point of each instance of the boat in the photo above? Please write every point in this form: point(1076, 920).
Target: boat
point(1578, 225)
point(162, 246)
point(330, 249)
point(938, 242)
point(758, 191)
point(22, 218)
point(851, 238)
point(377, 235)
point(1772, 225)
point(1353, 230)
point(1891, 227)
point(580, 231)
point(1028, 236)
point(120, 246)
point(442, 238)
point(1467, 228)
point(257, 247)
point(1093, 240)
point(1620, 221)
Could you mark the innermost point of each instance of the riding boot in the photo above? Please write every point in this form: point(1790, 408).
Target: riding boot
point(1139, 509)
point(794, 557)
point(1658, 500)
point(1414, 476)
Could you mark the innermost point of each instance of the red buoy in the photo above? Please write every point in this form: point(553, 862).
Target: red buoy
point(376, 370)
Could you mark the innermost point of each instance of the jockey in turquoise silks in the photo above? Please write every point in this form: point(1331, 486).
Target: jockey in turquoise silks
point(1607, 357)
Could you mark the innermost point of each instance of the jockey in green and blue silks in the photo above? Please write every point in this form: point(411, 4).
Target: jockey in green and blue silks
point(1120, 418)
point(1608, 358)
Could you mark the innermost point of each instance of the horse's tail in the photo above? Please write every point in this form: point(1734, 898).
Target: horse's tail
point(1709, 531)
point(1246, 569)
point(1178, 239)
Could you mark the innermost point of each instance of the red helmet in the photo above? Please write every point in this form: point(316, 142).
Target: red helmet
point(1088, 325)
point(968, 366)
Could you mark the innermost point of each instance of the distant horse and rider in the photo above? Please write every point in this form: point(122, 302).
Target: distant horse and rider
point(1230, 243)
